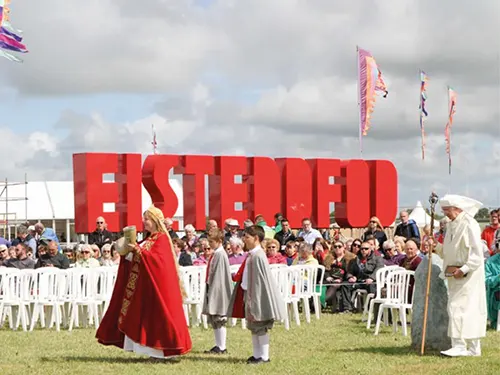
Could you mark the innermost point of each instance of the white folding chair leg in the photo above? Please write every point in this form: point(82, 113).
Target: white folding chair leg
point(317, 307)
point(287, 317)
point(379, 319)
point(243, 323)
point(498, 321)
point(204, 321)
point(394, 320)
point(295, 306)
point(370, 314)
point(368, 299)
point(402, 318)
point(307, 310)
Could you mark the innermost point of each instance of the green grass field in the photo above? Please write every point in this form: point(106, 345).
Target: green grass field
point(334, 344)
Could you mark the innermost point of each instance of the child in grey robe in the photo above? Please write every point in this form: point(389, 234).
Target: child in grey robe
point(256, 296)
point(219, 287)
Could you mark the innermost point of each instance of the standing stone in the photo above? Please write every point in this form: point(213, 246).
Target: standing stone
point(436, 337)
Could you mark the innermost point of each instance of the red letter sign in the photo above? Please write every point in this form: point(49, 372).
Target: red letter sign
point(91, 192)
point(324, 192)
point(224, 192)
point(354, 210)
point(296, 186)
point(383, 191)
point(264, 188)
point(193, 169)
point(155, 177)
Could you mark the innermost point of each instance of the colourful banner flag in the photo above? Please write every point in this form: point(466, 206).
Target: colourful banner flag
point(9, 43)
point(10, 38)
point(7, 29)
point(423, 111)
point(370, 81)
point(452, 107)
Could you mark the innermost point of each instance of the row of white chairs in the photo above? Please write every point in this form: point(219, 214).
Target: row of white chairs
point(82, 294)
point(69, 296)
point(296, 284)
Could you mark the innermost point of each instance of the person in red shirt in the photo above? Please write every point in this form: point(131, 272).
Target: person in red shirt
point(273, 254)
point(489, 232)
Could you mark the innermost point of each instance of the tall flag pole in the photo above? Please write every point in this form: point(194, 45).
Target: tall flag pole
point(370, 81)
point(423, 111)
point(10, 38)
point(154, 143)
point(452, 107)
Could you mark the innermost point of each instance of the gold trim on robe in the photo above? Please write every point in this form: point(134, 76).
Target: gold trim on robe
point(134, 276)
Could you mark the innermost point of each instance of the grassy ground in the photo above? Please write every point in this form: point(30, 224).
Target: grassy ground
point(334, 344)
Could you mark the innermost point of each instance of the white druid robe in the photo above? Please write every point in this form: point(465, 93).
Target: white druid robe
point(467, 296)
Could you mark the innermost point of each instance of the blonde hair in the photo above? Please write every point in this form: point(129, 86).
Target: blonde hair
point(377, 221)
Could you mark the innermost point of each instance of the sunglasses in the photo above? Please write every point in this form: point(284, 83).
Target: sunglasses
point(338, 246)
point(85, 252)
point(365, 248)
point(207, 248)
point(100, 222)
point(355, 245)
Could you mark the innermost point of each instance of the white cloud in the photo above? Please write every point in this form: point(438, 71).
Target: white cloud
point(261, 77)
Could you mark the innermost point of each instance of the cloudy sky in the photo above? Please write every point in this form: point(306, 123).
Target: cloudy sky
point(254, 77)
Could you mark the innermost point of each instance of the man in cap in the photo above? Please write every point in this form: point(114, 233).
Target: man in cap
point(464, 268)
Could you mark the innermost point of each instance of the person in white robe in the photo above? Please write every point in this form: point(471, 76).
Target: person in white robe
point(463, 249)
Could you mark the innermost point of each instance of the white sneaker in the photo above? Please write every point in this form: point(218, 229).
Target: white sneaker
point(474, 353)
point(456, 352)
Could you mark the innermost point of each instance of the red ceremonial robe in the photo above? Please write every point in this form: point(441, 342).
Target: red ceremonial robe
point(146, 304)
point(239, 301)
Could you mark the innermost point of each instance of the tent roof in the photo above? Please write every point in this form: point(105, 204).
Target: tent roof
point(421, 217)
point(47, 200)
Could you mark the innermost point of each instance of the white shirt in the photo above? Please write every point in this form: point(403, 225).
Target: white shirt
point(310, 236)
point(244, 278)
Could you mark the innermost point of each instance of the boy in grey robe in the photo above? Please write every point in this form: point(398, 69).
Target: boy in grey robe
point(218, 290)
point(256, 296)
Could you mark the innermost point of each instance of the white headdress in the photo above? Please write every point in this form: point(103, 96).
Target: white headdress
point(469, 205)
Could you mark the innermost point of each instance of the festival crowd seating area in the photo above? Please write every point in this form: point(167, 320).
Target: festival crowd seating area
point(44, 284)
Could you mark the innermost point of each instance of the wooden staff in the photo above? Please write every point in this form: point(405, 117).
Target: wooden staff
point(433, 199)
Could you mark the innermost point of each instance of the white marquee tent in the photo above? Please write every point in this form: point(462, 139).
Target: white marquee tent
point(421, 217)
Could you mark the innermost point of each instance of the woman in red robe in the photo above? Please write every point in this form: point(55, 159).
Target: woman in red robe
point(145, 314)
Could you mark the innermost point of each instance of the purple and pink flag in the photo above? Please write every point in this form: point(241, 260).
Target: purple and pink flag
point(370, 81)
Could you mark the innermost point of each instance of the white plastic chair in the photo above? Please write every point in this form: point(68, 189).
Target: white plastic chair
point(291, 285)
point(83, 296)
point(381, 277)
point(398, 283)
point(12, 300)
point(49, 289)
point(193, 278)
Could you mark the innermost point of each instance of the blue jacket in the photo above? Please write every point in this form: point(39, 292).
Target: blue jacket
point(408, 230)
point(49, 234)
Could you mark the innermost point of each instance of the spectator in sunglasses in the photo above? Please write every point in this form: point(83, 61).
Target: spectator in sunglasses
point(101, 235)
point(87, 260)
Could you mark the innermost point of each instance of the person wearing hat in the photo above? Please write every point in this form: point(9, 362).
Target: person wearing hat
point(463, 267)
point(233, 229)
point(145, 314)
point(219, 287)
